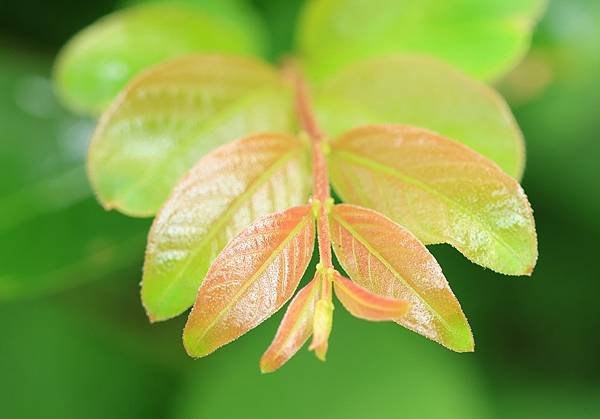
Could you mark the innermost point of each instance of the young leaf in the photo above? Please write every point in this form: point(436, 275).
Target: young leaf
point(171, 115)
point(386, 259)
point(95, 65)
point(224, 192)
point(484, 38)
point(256, 273)
point(424, 92)
point(442, 191)
point(322, 322)
point(363, 304)
point(295, 328)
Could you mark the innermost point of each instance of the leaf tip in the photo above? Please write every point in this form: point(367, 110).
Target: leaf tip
point(195, 346)
point(151, 317)
point(462, 341)
point(266, 367)
point(320, 350)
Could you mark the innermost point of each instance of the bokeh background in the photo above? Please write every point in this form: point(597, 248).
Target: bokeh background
point(74, 340)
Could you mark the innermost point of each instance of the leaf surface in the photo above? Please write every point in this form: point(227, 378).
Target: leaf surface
point(484, 38)
point(294, 330)
point(387, 260)
point(441, 191)
point(172, 115)
point(256, 273)
point(99, 61)
point(425, 92)
point(224, 193)
point(366, 305)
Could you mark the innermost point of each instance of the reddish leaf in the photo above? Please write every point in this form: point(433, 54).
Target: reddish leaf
point(294, 330)
point(440, 190)
point(256, 273)
point(363, 304)
point(226, 191)
point(388, 260)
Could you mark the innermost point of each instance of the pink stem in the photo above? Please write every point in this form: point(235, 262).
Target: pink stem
point(320, 177)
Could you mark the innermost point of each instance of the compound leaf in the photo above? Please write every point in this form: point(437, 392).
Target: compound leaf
point(256, 273)
point(387, 260)
point(170, 116)
point(424, 92)
point(484, 38)
point(295, 328)
point(224, 192)
point(97, 63)
point(440, 190)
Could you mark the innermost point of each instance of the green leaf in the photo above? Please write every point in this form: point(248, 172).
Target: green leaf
point(224, 193)
point(172, 115)
point(53, 235)
point(256, 273)
point(97, 63)
point(424, 92)
point(388, 260)
point(440, 190)
point(484, 38)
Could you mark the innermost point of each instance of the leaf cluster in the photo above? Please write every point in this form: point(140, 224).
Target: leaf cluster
point(217, 145)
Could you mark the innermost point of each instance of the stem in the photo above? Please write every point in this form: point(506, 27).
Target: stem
point(321, 194)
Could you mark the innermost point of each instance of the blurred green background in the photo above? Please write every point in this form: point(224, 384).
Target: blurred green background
point(75, 341)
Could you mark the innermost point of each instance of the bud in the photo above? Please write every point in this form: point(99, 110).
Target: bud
point(322, 323)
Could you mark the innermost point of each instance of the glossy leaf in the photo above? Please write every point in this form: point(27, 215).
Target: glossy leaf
point(424, 92)
point(294, 330)
point(172, 115)
point(97, 63)
point(224, 192)
point(440, 190)
point(388, 260)
point(322, 323)
point(256, 273)
point(484, 38)
point(366, 305)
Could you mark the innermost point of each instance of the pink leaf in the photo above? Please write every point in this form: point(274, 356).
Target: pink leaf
point(256, 273)
point(294, 330)
point(364, 304)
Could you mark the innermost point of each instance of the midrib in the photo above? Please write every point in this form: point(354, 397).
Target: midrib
point(225, 217)
point(365, 162)
point(257, 274)
point(394, 272)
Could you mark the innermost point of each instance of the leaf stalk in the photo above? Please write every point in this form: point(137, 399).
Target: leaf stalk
point(322, 200)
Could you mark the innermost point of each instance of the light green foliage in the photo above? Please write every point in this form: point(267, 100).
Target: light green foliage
point(95, 65)
point(53, 235)
point(224, 192)
point(484, 38)
point(170, 116)
point(207, 241)
point(440, 190)
point(424, 92)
